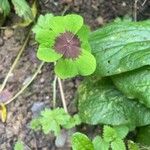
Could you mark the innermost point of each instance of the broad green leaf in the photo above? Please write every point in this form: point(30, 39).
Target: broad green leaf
point(121, 46)
point(143, 136)
point(99, 102)
point(19, 145)
point(100, 144)
point(109, 134)
point(4, 7)
point(81, 142)
point(23, 9)
point(135, 84)
point(118, 144)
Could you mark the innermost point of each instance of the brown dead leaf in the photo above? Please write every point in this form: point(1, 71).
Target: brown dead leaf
point(5, 95)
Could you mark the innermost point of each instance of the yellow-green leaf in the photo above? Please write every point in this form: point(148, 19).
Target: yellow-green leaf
point(3, 112)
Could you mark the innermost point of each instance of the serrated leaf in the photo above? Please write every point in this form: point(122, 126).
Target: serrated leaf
point(109, 133)
point(75, 120)
point(54, 120)
point(99, 102)
point(19, 145)
point(121, 131)
point(81, 142)
point(121, 46)
point(4, 7)
point(100, 144)
point(135, 84)
point(23, 9)
point(35, 124)
point(118, 144)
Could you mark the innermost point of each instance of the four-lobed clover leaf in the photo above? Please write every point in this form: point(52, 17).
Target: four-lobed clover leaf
point(64, 40)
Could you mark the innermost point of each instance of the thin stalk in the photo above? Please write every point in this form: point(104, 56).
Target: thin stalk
point(26, 85)
point(62, 95)
point(14, 63)
point(54, 91)
point(144, 2)
point(135, 10)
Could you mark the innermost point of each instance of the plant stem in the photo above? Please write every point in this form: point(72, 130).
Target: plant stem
point(62, 95)
point(27, 84)
point(14, 63)
point(54, 91)
point(135, 10)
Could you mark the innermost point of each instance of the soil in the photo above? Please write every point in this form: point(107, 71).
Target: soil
point(20, 112)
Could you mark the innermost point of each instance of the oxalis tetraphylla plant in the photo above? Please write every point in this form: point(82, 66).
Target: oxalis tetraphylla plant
point(64, 40)
point(115, 95)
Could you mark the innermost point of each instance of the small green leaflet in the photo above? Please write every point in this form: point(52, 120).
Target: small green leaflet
point(121, 47)
point(81, 142)
point(54, 120)
point(100, 144)
point(19, 145)
point(109, 134)
point(99, 102)
point(118, 144)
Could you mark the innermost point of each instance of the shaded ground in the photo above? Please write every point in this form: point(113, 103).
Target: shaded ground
point(96, 13)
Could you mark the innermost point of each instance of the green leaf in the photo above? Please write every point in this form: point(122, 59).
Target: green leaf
point(4, 7)
point(83, 35)
point(66, 68)
point(81, 142)
point(132, 146)
point(23, 9)
point(121, 46)
point(53, 120)
point(118, 144)
point(45, 37)
point(84, 65)
point(100, 144)
point(99, 102)
point(19, 145)
point(47, 54)
point(135, 84)
point(35, 124)
point(75, 120)
point(109, 134)
point(143, 136)
point(73, 22)
point(27, 22)
point(121, 131)
point(43, 23)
